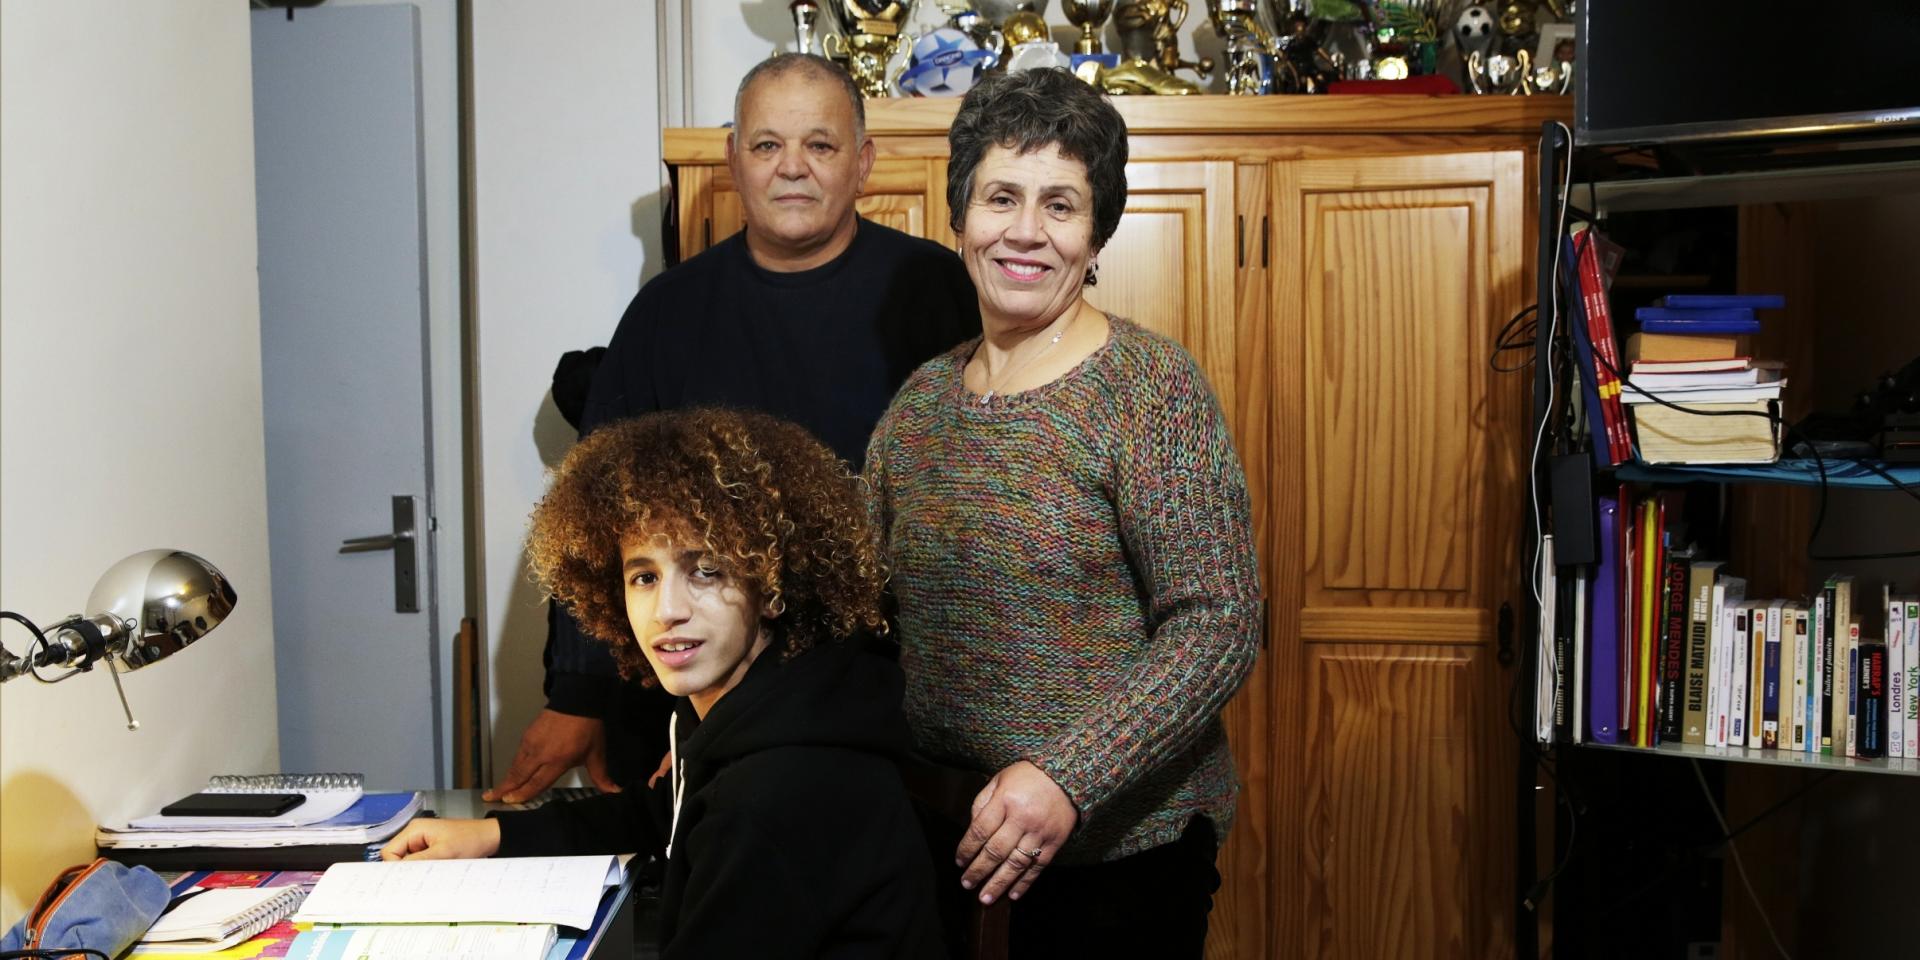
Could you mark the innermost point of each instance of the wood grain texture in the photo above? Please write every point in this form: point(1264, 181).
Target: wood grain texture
point(1242, 920)
point(1390, 857)
point(1164, 268)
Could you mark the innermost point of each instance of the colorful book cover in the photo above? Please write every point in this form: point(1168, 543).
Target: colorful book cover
point(1600, 433)
point(1673, 644)
point(1797, 697)
point(1647, 603)
point(1603, 629)
point(1755, 701)
point(1735, 327)
point(1827, 652)
point(1596, 258)
point(1871, 716)
point(1850, 682)
point(1770, 678)
point(1700, 579)
point(1727, 594)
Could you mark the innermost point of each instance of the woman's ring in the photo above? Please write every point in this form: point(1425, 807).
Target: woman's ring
point(1034, 853)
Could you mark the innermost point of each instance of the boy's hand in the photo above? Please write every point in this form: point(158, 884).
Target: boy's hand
point(427, 838)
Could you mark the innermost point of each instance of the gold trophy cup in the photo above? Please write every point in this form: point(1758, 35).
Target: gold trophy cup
point(1149, 50)
point(1089, 16)
point(868, 40)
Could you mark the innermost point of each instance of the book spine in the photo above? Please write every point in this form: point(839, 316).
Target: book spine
point(1850, 682)
point(1699, 642)
point(1719, 627)
point(1770, 682)
point(1797, 695)
point(1737, 674)
point(1673, 644)
point(1599, 432)
point(1825, 602)
point(1593, 295)
point(1896, 675)
point(1756, 701)
point(1912, 723)
point(1603, 634)
point(1873, 699)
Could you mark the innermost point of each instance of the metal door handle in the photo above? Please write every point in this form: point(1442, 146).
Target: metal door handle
point(406, 588)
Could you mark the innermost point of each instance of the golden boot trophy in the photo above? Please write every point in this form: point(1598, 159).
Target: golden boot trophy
point(868, 40)
point(1149, 51)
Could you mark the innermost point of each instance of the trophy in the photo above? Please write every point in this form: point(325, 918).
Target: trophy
point(1251, 48)
point(868, 40)
point(806, 13)
point(1089, 16)
point(1149, 50)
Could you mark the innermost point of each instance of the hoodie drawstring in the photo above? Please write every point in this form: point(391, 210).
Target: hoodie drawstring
point(677, 771)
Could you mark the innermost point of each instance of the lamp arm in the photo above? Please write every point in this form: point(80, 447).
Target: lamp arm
point(76, 641)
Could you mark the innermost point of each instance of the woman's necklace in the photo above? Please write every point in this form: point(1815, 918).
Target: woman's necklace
point(994, 385)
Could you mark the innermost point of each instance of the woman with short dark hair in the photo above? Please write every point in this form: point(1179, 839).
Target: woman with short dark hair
point(1072, 555)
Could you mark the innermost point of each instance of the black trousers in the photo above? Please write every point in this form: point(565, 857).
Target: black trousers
point(1151, 904)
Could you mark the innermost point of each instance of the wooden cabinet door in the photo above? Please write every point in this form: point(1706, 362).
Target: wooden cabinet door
point(1396, 486)
point(1173, 267)
point(907, 194)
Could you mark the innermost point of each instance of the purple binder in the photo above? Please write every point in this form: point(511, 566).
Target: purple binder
point(1603, 631)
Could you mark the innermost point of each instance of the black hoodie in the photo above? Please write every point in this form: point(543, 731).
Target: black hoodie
point(795, 837)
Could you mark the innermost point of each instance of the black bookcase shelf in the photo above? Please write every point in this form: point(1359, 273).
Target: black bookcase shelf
point(1839, 473)
point(1782, 758)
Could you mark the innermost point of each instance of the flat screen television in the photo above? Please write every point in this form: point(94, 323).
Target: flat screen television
point(1675, 71)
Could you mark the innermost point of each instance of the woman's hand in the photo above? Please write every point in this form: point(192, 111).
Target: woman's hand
point(427, 838)
point(1019, 822)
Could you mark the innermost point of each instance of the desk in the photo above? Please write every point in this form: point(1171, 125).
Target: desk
point(610, 938)
point(613, 930)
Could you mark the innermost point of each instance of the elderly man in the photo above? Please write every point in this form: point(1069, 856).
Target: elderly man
point(810, 314)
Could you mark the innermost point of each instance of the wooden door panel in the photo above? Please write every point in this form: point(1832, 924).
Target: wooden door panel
point(1166, 269)
point(907, 194)
point(1391, 866)
point(1392, 523)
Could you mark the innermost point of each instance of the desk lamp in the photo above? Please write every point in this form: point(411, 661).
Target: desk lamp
point(143, 609)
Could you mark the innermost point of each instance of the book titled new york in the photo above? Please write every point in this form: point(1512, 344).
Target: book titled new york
point(1700, 577)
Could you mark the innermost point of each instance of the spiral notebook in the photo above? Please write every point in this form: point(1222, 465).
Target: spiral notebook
point(208, 920)
point(328, 795)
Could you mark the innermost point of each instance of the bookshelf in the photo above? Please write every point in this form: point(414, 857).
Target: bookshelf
point(1783, 758)
point(1652, 808)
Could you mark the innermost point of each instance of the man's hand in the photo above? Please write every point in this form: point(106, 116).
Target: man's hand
point(1019, 822)
point(553, 744)
point(429, 839)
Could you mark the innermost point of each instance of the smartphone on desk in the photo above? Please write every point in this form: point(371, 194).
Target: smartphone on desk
point(233, 805)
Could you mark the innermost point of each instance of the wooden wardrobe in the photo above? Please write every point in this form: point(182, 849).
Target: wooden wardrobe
point(1340, 267)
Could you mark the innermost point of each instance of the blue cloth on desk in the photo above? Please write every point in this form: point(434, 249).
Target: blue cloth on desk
point(102, 906)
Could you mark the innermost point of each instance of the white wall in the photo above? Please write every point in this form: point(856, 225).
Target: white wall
point(567, 186)
point(129, 401)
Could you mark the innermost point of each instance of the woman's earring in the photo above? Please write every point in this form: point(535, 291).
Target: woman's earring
point(1093, 275)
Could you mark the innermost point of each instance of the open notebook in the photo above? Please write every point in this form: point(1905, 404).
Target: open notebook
point(207, 920)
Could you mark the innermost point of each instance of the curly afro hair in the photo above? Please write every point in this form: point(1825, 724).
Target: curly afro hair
point(777, 511)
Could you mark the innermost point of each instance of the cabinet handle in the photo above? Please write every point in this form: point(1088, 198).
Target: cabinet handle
point(1239, 241)
point(1263, 241)
point(706, 233)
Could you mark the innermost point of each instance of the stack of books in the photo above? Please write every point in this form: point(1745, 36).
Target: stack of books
point(354, 834)
point(1693, 353)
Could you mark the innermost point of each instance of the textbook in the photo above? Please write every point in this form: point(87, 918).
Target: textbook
point(372, 817)
point(557, 890)
point(327, 796)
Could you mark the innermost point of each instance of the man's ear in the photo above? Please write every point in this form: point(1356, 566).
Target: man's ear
point(867, 154)
point(729, 153)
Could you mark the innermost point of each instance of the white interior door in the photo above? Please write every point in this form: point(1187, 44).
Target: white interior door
point(338, 174)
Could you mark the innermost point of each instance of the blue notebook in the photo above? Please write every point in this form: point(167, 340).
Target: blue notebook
point(1716, 301)
point(1687, 327)
point(1603, 633)
point(1696, 315)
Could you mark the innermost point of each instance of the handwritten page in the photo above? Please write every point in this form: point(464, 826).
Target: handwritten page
point(562, 890)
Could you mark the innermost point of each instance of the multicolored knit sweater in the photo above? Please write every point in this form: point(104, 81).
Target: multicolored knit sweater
point(1077, 584)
